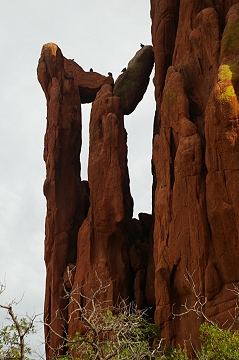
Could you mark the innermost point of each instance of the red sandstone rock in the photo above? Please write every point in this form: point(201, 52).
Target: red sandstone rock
point(67, 200)
point(132, 84)
point(103, 240)
point(86, 246)
point(222, 156)
point(89, 83)
point(195, 169)
point(195, 197)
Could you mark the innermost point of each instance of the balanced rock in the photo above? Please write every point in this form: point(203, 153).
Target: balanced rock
point(131, 85)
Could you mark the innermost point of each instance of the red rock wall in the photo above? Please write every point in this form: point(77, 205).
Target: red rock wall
point(195, 160)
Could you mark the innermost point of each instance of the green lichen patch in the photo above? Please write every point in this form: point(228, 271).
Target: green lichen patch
point(229, 72)
point(230, 40)
point(162, 184)
point(228, 93)
point(225, 72)
point(132, 84)
point(172, 95)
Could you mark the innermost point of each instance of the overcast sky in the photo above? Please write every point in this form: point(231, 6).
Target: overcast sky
point(102, 34)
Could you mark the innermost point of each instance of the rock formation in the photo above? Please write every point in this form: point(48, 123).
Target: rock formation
point(103, 240)
point(193, 230)
point(67, 199)
point(132, 84)
point(90, 234)
point(195, 160)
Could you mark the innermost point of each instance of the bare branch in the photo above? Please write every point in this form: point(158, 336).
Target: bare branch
point(199, 304)
point(2, 287)
point(109, 331)
point(22, 327)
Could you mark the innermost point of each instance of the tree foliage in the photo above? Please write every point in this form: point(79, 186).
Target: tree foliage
point(11, 343)
point(13, 336)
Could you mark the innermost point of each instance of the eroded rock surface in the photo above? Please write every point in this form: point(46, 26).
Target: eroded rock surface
point(67, 199)
point(90, 235)
point(103, 240)
point(89, 83)
point(131, 85)
point(195, 161)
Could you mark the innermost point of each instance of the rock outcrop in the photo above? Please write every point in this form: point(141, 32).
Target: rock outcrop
point(90, 235)
point(195, 161)
point(132, 84)
point(189, 245)
point(67, 198)
point(103, 239)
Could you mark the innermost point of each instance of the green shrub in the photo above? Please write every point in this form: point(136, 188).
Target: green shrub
point(175, 354)
point(218, 344)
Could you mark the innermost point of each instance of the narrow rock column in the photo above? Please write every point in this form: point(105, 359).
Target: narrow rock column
point(103, 240)
point(65, 193)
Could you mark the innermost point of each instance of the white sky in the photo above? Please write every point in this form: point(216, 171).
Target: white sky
point(102, 34)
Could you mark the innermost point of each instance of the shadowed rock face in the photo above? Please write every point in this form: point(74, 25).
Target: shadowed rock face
point(195, 160)
point(132, 84)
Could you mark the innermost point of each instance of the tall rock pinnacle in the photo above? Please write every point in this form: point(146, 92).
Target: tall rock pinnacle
point(67, 199)
point(89, 227)
point(103, 239)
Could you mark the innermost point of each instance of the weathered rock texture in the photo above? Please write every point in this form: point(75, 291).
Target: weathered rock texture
point(67, 199)
point(103, 240)
point(132, 84)
point(195, 160)
point(90, 234)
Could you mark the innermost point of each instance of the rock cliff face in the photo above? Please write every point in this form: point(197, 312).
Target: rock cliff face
point(190, 243)
point(195, 160)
